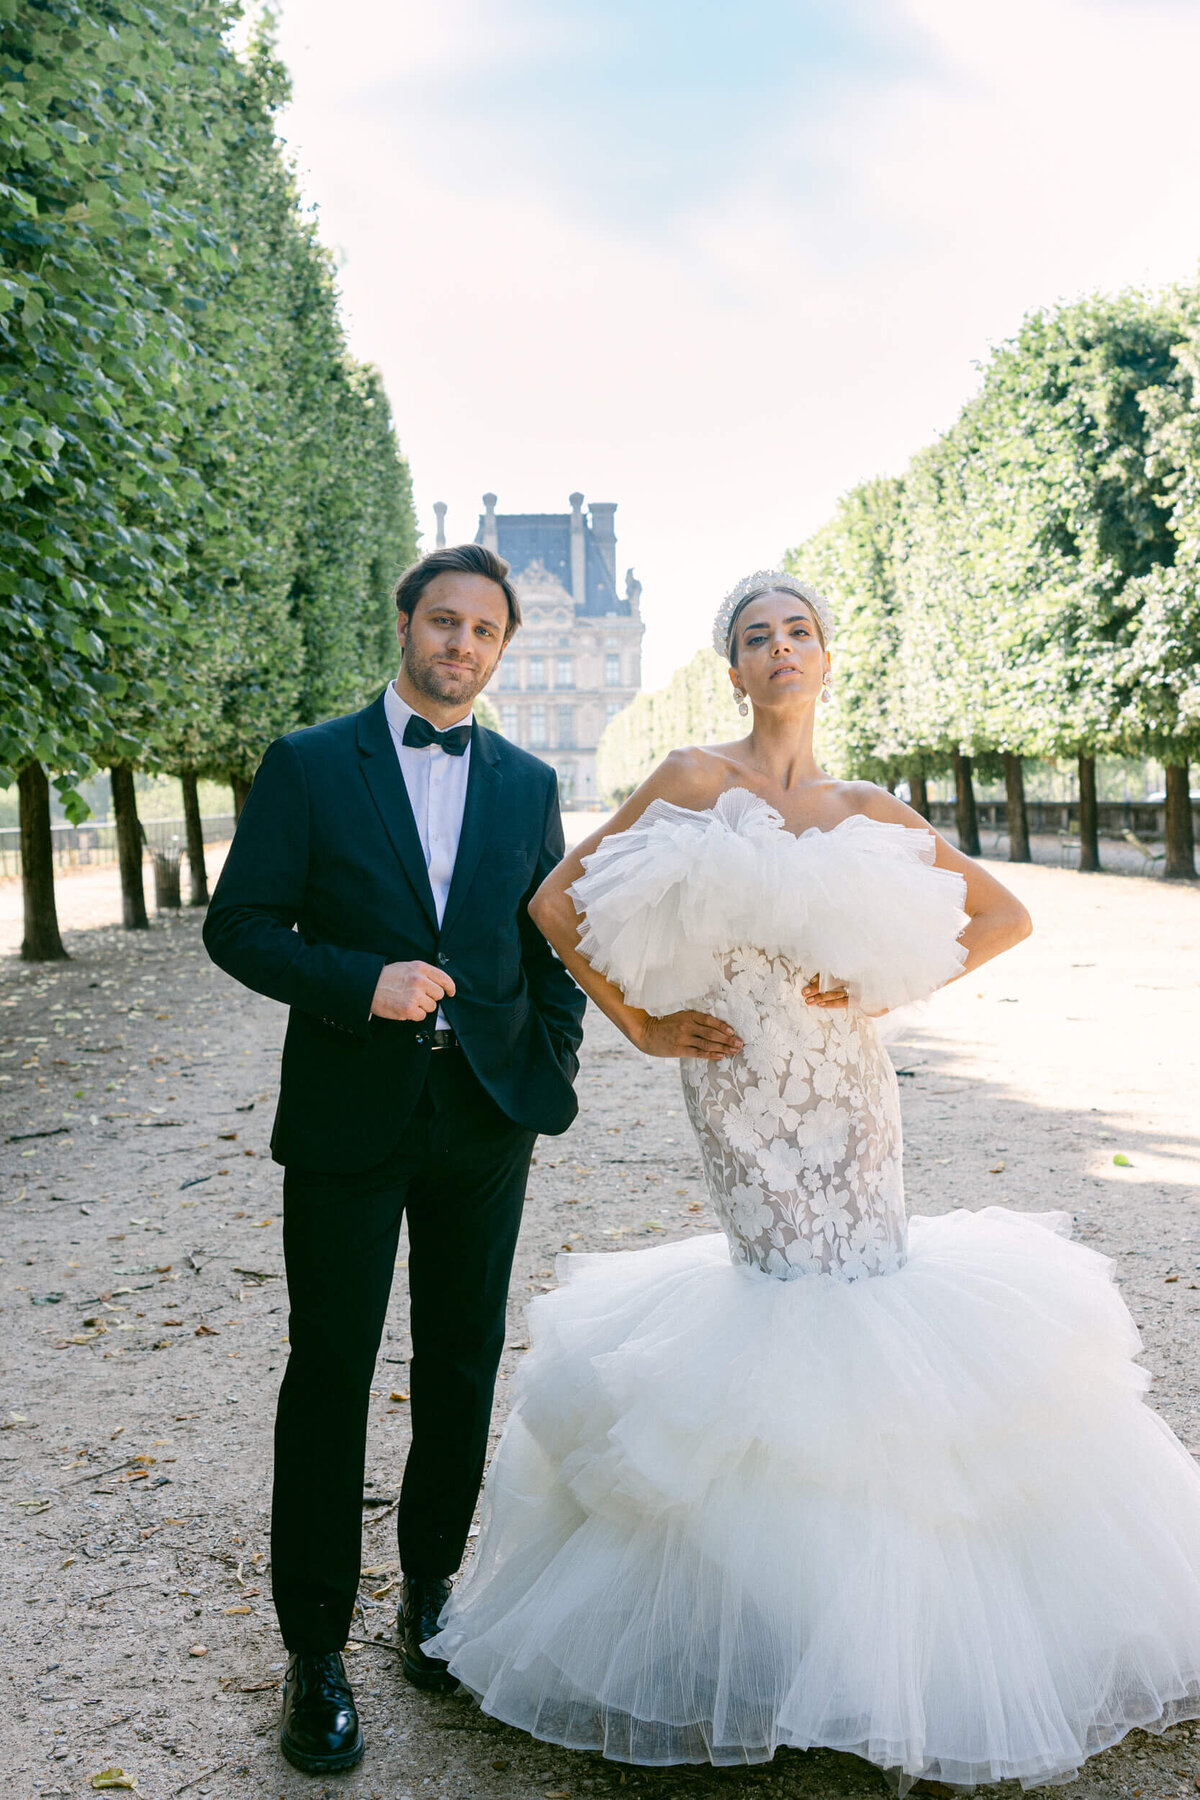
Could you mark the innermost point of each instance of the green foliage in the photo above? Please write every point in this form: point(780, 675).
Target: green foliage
point(204, 506)
point(1030, 586)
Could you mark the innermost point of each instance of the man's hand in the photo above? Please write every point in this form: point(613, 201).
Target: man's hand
point(410, 990)
point(687, 1034)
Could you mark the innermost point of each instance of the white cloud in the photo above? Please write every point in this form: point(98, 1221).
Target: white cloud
point(812, 321)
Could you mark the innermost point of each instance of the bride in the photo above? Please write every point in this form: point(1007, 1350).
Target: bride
point(829, 1478)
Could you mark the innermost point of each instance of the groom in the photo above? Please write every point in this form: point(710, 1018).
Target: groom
point(378, 885)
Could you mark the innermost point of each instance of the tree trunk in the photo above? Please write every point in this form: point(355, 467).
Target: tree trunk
point(129, 848)
point(965, 816)
point(1018, 818)
point(42, 942)
point(241, 787)
point(1089, 817)
point(920, 795)
point(1180, 864)
point(195, 838)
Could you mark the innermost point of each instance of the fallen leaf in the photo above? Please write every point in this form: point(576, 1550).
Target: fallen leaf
point(397, 1396)
point(1171, 1278)
point(1122, 1161)
point(114, 1778)
point(235, 1609)
point(996, 1169)
point(207, 1331)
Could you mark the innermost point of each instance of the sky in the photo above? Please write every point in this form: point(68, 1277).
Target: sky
point(720, 261)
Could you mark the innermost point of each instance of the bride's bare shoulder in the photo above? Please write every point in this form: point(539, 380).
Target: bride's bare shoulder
point(694, 776)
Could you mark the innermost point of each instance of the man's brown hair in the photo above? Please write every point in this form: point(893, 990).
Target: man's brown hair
point(459, 559)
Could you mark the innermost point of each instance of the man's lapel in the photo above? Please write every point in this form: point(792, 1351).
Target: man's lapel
point(484, 782)
point(381, 770)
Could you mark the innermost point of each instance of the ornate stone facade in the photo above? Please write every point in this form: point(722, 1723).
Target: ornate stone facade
point(577, 660)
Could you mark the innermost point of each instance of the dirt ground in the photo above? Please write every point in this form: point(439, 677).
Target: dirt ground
point(137, 1085)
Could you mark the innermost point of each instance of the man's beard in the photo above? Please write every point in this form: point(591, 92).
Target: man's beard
point(439, 684)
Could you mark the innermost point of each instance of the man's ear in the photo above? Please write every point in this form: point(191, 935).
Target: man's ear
point(402, 629)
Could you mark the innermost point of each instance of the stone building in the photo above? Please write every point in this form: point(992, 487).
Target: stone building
point(577, 660)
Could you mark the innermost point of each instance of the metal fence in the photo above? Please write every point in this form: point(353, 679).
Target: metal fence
point(1145, 818)
point(92, 845)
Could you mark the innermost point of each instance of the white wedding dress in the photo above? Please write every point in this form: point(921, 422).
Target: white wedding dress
point(827, 1479)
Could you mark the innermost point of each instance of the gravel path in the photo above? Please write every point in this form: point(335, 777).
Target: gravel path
point(144, 1323)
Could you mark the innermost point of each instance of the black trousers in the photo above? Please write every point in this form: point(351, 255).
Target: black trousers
point(459, 1172)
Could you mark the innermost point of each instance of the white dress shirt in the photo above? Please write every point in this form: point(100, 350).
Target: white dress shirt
point(437, 793)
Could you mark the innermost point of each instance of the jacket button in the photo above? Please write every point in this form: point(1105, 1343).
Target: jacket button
point(443, 959)
point(420, 1038)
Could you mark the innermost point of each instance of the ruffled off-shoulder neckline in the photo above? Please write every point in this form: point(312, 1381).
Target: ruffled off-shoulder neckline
point(738, 807)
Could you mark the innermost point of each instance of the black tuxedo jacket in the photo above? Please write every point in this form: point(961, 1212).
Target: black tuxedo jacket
point(326, 882)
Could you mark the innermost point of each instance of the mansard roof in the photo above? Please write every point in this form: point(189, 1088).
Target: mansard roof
point(527, 538)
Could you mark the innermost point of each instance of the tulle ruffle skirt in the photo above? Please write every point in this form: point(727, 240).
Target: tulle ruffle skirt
point(926, 1518)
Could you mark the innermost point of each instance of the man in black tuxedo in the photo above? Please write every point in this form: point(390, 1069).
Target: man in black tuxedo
point(378, 885)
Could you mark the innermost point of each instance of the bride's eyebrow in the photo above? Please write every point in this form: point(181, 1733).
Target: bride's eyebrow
point(761, 624)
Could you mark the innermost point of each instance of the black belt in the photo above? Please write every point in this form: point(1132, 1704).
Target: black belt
point(438, 1040)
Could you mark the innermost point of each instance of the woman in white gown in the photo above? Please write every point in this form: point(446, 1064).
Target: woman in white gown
point(829, 1478)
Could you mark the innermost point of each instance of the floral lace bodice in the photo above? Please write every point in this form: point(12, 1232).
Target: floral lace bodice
point(800, 1132)
point(726, 910)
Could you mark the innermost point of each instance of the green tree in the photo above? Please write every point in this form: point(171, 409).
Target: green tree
point(90, 357)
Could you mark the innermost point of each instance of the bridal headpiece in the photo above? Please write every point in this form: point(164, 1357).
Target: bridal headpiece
point(768, 581)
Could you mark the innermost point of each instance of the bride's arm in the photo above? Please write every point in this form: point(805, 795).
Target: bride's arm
point(684, 780)
point(996, 918)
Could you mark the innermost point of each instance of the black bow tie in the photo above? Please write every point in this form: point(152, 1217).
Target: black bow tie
point(419, 734)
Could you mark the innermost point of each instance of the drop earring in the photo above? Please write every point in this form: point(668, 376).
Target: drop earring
point(742, 707)
point(827, 689)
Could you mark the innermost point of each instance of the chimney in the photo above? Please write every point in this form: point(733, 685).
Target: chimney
point(490, 537)
point(604, 536)
point(439, 507)
point(578, 551)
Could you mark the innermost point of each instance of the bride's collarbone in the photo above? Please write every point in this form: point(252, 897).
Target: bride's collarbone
point(821, 805)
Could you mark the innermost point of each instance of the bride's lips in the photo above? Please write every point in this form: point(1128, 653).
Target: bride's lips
point(784, 669)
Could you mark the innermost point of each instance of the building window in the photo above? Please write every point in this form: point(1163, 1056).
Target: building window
point(612, 670)
point(564, 675)
point(508, 722)
point(537, 727)
point(537, 671)
point(508, 677)
point(566, 727)
point(611, 709)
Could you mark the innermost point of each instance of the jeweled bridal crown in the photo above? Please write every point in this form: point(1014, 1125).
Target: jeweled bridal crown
point(767, 581)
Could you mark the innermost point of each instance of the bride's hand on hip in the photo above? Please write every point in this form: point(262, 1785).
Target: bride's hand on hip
point(837, 998)
point(687, 1034)
point(816, 995)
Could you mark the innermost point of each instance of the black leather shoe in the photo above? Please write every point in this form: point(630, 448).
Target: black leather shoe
point(422, 1598)
point(319, 1732)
